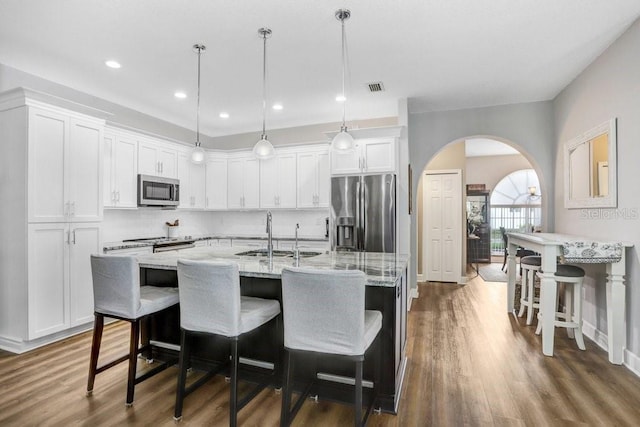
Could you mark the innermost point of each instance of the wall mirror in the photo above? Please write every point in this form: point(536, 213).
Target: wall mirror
point(590, 168)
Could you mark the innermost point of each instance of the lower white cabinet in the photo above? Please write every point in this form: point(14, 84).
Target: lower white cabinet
point(60, 287)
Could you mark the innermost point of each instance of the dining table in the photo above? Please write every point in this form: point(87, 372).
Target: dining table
point(551, 247)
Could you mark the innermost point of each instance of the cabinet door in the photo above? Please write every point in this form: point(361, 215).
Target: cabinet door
point(197, 177)
point(216, 184)
point(286, 181)
point(167, 161)
point(108, 151)
point(348, 162)
point(306, 179)
point(84, 240)
point(84, 177)
point(378, 156)
point(186, 197)
point(251, 183)
point(47, 151)
point(235, 180)
point(148, 158)
point(323, 184)
point(125, 173)
point(48, 272)
point(269, 183)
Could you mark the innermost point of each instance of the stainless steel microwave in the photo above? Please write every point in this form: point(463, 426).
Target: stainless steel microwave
point(158, 191)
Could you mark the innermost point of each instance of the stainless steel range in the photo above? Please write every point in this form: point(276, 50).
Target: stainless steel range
point(164, 244)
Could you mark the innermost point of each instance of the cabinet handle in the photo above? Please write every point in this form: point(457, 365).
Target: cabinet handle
point(68, 237)
point(73, 209)
point(74, 237)
point(364, 164)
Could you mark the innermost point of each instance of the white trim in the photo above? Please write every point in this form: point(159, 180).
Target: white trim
point(633, 362)
point(18, 346)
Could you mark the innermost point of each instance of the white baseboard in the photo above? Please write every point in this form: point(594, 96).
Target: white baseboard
point(631, 361)
point(421, 278)
point(19, 346)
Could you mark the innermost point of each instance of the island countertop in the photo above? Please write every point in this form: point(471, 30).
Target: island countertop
point(382, 269)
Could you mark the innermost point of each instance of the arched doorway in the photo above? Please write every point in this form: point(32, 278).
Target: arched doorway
point(485, 169)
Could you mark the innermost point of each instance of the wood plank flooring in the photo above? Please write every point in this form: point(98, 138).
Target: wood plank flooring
point(469, 364)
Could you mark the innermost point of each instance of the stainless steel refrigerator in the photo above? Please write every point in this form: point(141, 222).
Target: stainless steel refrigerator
point(363, 213)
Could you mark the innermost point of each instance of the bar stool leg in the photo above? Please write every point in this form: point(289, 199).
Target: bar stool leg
point(133, 360)
point(286, 389)
point(233, 399)
point(523, 293)
point(95, 351)
point(577, 315)
point(182, 375)
point(358, 399)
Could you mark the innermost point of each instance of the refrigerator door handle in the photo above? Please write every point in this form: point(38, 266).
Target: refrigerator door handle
point(365, 201)
point(358, 232)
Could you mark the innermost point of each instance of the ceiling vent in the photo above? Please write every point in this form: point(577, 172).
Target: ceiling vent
point(376, 87)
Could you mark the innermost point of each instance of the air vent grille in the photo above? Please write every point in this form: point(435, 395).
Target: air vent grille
point(376, 87)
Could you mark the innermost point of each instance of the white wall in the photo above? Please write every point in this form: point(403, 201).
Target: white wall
point(489, 170)
point(609, 87)
point(528, 127)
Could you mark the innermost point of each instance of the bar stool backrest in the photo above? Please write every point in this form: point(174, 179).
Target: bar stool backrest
point(324, 310)
point(116, 285)
point(209, 297)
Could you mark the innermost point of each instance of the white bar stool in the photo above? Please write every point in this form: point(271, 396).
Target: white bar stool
point(529, 265)
point(573, 277)
point(211, 305)
point(324, 314)
point(117, 293)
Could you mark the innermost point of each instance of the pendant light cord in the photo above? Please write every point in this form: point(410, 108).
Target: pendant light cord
point(198, 101)
point(264, 83)
point(344, 96)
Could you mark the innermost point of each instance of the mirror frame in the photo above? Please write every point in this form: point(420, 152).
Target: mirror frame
point(611, 199)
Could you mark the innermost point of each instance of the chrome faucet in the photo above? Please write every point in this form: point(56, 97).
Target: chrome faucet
point(296, 250)
point(269, 236)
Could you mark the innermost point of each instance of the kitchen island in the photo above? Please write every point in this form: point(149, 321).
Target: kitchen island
point(386, 291)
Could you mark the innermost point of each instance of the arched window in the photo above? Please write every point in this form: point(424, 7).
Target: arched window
point(515, 205)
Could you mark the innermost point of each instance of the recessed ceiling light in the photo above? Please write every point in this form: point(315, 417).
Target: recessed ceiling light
point(112, 64)
point(341, 98)
point(180, 95)
point(277, 107)
point(224, 115)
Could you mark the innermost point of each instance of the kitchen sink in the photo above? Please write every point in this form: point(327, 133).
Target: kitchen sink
point(277, 253)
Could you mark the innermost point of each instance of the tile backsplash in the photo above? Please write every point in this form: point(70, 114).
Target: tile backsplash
point(122, 224)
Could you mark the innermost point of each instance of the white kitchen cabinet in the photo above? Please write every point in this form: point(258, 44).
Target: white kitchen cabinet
point(216, 182)
point(65, 166)
point(156, 158)
point(243, 182)
point(375, 155)
point(278, 181)
point(192, 182)
point(120, 180)
point(313, 179)
point(59, 285)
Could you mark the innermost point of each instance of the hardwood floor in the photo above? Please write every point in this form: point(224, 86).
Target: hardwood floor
point(469, 364)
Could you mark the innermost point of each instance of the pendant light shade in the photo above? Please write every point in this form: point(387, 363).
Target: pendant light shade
point(343, 141)
point(198, 154)
point(263, 148)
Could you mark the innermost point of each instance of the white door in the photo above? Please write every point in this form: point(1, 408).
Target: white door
point(84, 240)
point(442, 227)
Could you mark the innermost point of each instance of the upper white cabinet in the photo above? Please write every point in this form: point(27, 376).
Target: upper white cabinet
point(216, 182)
point(156, 158)
point(313, 181)
point(375, 155)
point(192, 182)
point(120, 170)
point(278, 181)
point(64, 167)
point(243, 181)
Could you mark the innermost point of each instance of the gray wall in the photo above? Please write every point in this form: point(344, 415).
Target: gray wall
point(609, 87)
point(527, 127)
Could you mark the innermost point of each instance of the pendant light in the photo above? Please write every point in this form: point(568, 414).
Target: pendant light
point(263, 148)
point(197, 154)
point(343, 141)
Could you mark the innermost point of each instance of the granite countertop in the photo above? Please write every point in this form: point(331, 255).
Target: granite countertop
point(112, 246)
point(382, 269)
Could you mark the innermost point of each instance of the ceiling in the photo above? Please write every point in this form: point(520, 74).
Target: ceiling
point(439, 54)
